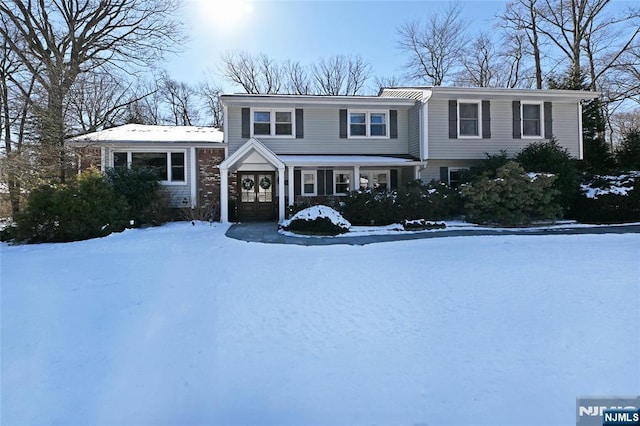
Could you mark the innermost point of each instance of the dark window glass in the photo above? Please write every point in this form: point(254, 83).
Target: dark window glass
point(469, 120)
point(261, 123)
point(177, 166)
point(378, 125)
point(358, 123)
point(154, 160)
point(531, 118)
point(119, 159)
point(283, 123)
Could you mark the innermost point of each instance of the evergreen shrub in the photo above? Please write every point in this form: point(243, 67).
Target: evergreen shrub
point(141, 188)
point(512, 198)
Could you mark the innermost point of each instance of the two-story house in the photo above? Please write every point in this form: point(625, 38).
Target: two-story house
point(277, 149)
point(283, 147)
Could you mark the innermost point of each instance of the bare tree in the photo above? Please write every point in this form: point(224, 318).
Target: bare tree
point(210, 92)
point(434, 48)
point(254, 73)
point(479, 63)
point(297, 80)
point(389, 81)
point(340, 75)
point(179, 98)
point(521, 17)
point(98, 100)
point(57, 40)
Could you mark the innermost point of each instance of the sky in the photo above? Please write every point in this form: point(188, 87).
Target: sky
point(309, 30)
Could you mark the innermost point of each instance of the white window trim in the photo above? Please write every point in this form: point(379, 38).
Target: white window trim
point(168, 153)
point(315, 183)
point(470, 101)
point(335, 182)
point(378, 171)
point(272, 127)
point(540, 105)
point(367, 120)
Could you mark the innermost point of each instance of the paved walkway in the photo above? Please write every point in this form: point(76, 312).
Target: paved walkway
point(267, 232)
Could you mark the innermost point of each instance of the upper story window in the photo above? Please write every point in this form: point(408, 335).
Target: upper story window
point(270, 122)
point(469, 119)
point(368, 124)
point(532, 119)
point(170, 166)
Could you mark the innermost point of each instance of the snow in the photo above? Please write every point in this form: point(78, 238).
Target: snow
point(152, 133)
point(315, 212)
point(181, 325)
point(617, 185)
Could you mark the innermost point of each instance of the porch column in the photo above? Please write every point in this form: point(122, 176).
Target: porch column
point(356, 178)
point(291, 185)
point(281, 193)
point(224, 195)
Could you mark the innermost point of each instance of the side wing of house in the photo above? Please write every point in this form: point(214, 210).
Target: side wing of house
point(315, 146)
point(460, 126)
point(186, 158)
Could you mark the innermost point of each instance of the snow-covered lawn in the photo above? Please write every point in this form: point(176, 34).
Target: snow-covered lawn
point(180, 325)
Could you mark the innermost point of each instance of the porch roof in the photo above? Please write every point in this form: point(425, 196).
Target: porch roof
point(346, 160)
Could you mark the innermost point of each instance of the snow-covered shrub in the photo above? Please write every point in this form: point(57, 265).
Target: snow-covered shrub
point(86, 209)
point(318, 220)
point(421, 225)
point(434, 201)
point(609, 199)
point(511, 198)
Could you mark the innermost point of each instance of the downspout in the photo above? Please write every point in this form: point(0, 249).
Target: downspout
point(580, 132)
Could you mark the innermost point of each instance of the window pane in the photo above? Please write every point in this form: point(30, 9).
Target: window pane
point(358, 118)
point(380, 181)
point(469, 111)
point(468, 127)
point(378, 119)
point(283, 129)
point(154, 160)
point(119, 159)
point(283, 117)
point(342, 182)
point(531, 115)
point(309, 183)
point(261, 129)
point(261, 123)
point(261, 117)
point(177, 166)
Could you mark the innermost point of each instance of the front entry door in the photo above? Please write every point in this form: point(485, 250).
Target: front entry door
point(256, 196)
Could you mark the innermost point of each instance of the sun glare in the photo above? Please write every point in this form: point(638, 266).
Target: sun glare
point(225, 13)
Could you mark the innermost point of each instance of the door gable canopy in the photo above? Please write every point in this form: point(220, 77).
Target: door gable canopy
point(251, 150)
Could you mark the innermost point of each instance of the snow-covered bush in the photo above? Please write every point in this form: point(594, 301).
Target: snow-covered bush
point(512, 198)
point(609, 199)
point(434, 201)
point(319, 220)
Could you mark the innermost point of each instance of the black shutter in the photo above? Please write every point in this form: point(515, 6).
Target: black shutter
point(453, 119)
point(343, 123)
point(393, 124)
point(444, 175)
point(328, 174)
point(299, 123)
point(297, 183)
point(516, 119)
point(246, 123)
point(321, 182)
point(486, 120)
point(393, 179)
point(548, 120)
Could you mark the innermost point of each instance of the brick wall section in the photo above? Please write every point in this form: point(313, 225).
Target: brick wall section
point(208, 160)
point(89, 156)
